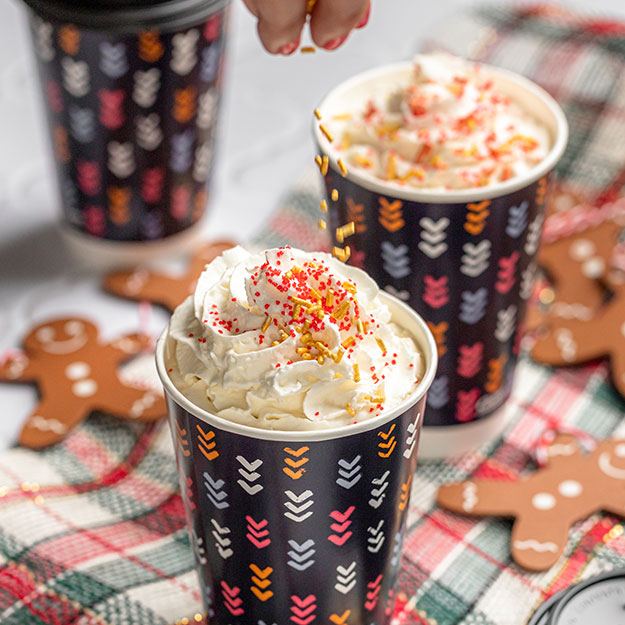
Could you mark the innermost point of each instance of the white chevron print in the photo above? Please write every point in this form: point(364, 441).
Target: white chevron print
point(397, 545)
point(203, 161)
point(249, 472)
point(146, 87)
point(527, 281)
point(184, 52)
point(297, 505)
point(301, 555)
point(198, 547)
point(475, 258)
point(43, 39)
point(396, 261)
point(215, 492)
point(433, 236)
point(82, 124)
point(113, 61)
point(411, 440)
point(517, 220)
point(506, 322)
point(121, 160)
point(533, 235)
point(222, 542)
point(378, 490)
point(349, 472)
point(149, 133)
point(403, 295)
point(207, 109)
point(377, 538)
point(345, 578)
point(76, 77)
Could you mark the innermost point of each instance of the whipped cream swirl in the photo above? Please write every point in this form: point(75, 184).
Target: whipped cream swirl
point(448, 128)
point(290, 340)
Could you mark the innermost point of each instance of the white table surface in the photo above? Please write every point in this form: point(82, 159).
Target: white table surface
point(265, 145)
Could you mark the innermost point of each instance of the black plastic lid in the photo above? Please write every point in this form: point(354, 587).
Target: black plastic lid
point(541, 616)
point(127, 15)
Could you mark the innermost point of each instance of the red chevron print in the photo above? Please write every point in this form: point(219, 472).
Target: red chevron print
point(373, 593)
point(340, 527)
point(112, 108)
point(257, 532)
point(152, 185)
point(465, 406)
point(303, 610)
point(470, 359)
point(232, 602)
point(506, 276)
point(436, 293)
point(89, 178)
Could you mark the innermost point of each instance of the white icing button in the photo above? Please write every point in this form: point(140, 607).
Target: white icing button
point(84, 388)
point(593, 267)
point(620, 450)
point(570, 488)
point(543, 501)
point(77, 370)
point(582, 249)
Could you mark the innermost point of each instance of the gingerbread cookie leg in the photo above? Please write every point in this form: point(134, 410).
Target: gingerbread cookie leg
point(538, 540)
point(47, 426)
point(477, 497)
point(134, 404)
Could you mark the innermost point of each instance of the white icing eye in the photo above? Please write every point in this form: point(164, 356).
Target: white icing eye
point(570, 488)
point(45, 334)
point(543, 501)
point(582, 249)
point(74, 328)
point(620, 450)
point(593, 267)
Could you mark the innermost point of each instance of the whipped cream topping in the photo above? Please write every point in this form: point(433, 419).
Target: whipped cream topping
point(449, 127)
point(290, 340)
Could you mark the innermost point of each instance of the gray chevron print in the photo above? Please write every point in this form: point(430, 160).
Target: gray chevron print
point(350, 472)
point(395, 259)
point(517, 220)
point(215, 492)
point(533, 234)
point(82, 124)
point(301, 555)
point(438, 395)
point(113, 61)
point(473, 305)
point(378, 491)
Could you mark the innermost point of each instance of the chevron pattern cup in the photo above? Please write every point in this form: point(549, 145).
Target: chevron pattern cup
point(300, 527)
point(132, 116)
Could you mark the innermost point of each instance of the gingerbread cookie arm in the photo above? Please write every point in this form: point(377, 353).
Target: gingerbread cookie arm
point(133, 404)
point(130, 345)
point(18, 368)
point(538, 539)
point(50, 422)
point(477, 498)
point(143, 285)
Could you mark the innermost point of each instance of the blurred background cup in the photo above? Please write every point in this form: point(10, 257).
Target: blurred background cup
point(296, 527)
point(463, 259)
point(131, 89)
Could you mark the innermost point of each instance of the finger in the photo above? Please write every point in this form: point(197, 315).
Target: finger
point(333, 20)
point(280, 24)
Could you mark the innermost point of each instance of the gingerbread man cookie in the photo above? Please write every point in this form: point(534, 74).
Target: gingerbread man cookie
point(159, 288)
point(572, 486)
point(77, 374)
point(586, 319)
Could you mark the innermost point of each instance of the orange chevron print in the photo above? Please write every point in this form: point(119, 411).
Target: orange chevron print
point(391, 215)
point(69, 39)
point(496, 368)
point(150, 47)
point(206, 444)
point(340, 620)
point(404, 497)
point(61, 144)
point(183, 441)
point(295, 461)
point(184, 104)
point(356, 213)
point(476, 217)
point(541, 191)
point(261, 582)
point(439, 330)
point(119, 204)
point(388, 443)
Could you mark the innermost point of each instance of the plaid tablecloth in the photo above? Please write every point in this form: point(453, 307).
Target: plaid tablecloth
point(92, 531)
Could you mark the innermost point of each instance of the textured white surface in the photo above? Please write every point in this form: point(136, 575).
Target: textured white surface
point(266, 143)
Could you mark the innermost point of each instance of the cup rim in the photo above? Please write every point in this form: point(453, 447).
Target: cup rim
point(429, 351)
point(454, 195)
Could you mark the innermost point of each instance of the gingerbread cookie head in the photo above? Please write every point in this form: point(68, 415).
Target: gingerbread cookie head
point(544, 505)
point(60, 336)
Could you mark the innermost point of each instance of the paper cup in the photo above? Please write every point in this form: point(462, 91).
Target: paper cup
point(131, 95)
point(464, 260)
point(299, 527)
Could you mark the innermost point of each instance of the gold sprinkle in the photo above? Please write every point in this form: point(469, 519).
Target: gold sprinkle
point(360, 327)
point(326, 133)
point(307, 356)
point(381, 345)
point(317, 112)
point(342, 232)
point(325, 165)
point(266, 324)
point(322, 224)
point(39, 500)
point(365, 325)
point(348, 342)
point(342, 117)
point(342, 254)
point(323, 206)
point(356, 369)
point(302, 350)
point(315, 294)
point(299, 300)
point(274, 343)
point(320, 359)
point(348, 286)
point(330, 298)
point(363, 161)
point(350, 410)
point(334, 195)
point(308, 50)
point(297, 311)
point(323, 348)
point(342, 167)
point(341, 311)
point(318, 160)
point(391, 167)
point(338, 356)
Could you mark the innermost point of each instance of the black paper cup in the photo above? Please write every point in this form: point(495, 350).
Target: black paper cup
point(299, 527)
point(464, 260)
point(131, 92)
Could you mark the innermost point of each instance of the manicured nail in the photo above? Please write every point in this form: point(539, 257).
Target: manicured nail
point(288, 48)
point(365, 19)
point(333, 44)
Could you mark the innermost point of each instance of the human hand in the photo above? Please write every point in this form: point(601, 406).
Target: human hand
point(280, 22)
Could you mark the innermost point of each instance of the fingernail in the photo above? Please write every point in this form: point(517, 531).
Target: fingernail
point(288, 48)
point(365, 20)
point(333, 44)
